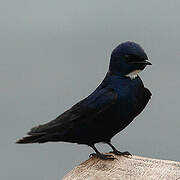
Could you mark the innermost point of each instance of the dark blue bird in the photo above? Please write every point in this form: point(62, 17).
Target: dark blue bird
point(109, 109)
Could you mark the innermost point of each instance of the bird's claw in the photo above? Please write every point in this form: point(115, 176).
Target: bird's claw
point(126, 153)
point(103, 156)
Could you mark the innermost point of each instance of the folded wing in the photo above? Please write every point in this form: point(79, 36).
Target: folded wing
point(86, 110)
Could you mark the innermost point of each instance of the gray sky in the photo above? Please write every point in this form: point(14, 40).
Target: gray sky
point(54, 53)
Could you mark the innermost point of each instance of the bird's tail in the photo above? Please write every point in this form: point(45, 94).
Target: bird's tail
point(30, 139)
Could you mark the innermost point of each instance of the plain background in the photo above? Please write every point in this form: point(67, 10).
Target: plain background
point(54, 53)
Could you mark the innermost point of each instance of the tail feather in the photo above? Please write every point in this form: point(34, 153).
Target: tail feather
point(30, 139)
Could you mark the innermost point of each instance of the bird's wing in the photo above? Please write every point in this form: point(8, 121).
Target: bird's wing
point(98, 102)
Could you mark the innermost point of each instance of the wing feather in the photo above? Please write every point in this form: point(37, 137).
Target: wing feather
point(89, 108)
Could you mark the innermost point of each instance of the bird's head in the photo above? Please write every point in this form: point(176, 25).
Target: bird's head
point(128, 59)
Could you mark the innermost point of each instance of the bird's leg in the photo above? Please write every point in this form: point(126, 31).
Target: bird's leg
point(115, 151)
point(100, 155)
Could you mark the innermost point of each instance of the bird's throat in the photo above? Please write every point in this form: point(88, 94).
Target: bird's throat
point(133, 74)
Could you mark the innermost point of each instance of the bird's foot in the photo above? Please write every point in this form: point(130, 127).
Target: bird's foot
point(102, 156)
point(126, 153)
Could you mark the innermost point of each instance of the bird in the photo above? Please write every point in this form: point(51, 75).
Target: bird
point(112, 106)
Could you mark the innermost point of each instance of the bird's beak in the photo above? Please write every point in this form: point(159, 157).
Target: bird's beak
point(141, 62)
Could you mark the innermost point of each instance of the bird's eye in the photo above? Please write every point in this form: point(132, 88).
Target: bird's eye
point(129, 57)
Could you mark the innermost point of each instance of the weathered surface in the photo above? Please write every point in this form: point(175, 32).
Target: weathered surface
point(125, 168)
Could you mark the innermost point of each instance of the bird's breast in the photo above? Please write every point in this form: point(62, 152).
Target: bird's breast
point(130, 95)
